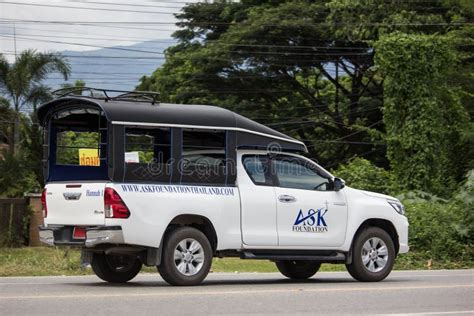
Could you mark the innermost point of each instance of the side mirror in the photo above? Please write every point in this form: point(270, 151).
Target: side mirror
point(338, 184)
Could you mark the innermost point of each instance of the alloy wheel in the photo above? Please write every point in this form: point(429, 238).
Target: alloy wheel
point(189, 257)
point(374, 254)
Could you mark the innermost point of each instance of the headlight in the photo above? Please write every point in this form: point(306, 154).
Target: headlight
point(397, 206)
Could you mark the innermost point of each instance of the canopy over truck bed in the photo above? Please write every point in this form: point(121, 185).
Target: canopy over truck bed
point(250, 134)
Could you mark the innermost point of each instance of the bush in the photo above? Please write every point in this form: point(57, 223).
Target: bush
point(362, 174)
point(440, 230)
point(17, 235)
point(443, 229)
point(15, 176)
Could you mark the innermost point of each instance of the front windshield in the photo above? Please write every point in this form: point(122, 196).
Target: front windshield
point(298, 173)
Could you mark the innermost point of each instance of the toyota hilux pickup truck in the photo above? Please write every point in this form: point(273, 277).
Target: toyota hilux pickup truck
point(135, 182)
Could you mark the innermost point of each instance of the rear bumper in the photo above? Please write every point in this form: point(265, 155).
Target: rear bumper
point(62, 235)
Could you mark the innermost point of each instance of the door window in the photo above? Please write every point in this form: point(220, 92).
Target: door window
point(147, 154)
point(203, 159)
point(297, 173)
point(257, 169)
point(80, 148)
point(76, 145)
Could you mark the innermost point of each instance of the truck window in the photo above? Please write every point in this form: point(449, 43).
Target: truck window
point(203, 158)
point(77, 145)
point(147, 154)
point(299, 174)
point(77, 148)
point(257, 168)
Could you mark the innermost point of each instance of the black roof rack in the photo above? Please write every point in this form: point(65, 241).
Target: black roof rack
point(106, 94)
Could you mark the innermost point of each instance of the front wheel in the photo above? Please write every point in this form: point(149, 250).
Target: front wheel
point(373, 255)
point(299, 269)
point(115, 268)
point(187, 257)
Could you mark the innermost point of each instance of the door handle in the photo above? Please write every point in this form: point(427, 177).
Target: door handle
point(72, 196)
point(286, 198)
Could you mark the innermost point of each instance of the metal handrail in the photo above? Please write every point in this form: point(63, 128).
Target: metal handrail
point(133, 96)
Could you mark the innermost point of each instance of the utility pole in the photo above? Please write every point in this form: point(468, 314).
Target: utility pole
point(337, 88)
point(14, 38)
point(16, 123)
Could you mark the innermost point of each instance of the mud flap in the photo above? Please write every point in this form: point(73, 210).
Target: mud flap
point(153, 257)
point(86, 258)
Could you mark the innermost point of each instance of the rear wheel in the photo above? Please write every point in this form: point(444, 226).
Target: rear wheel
point(187, 257)
point(115, 268)
point(373, 255)
point(299, 269)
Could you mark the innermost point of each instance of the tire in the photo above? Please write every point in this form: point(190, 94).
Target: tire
point(373, 255)
point(193, 257)
point(298, 270)
point(115, 268)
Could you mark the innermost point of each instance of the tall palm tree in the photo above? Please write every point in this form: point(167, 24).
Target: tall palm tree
point(21, 81)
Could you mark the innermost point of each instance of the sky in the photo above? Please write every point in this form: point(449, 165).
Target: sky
point(83, 25)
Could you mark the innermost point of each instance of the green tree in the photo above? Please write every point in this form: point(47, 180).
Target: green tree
point(422, 113)
point(362, 174)
point(15, 177)
point(21, 82)
point(7, 117)
point(78, 84)
point(303, 67)
point(70, 143)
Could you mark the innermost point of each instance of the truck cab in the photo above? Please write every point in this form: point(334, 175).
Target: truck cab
point(135, 182)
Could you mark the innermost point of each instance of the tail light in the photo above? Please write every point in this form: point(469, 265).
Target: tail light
point(114, 206)
point(43, 203)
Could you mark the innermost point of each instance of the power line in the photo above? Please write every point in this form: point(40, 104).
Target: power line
point(180, 4)
point(213, 42)
point(86, 45)
point(107, 38)
point(106, 57)
point(84, 8)
point(162, 53)
point(307, 119)
point(112, 25)
point(107, 73)
point(356, 155)
point(346, 142)
point(12, 21)
point(138, 63)
point(93, 78)
point(142, 5)
point(105, 63)
point(209, 23)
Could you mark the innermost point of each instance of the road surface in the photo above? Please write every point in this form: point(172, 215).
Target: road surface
point(403, 292)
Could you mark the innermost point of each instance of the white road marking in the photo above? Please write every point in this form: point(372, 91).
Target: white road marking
point(432, 313)
point(240, 292)
point(394, 274)
point(217, 273)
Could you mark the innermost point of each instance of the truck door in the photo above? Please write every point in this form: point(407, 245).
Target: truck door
point(75, 203)
point(76, 152)
point(309, 212)
point(257, 200)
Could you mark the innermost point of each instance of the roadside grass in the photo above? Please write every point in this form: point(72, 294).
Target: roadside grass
point(40, 261)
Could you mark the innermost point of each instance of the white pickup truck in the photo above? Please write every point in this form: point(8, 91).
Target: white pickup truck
point(135, 182)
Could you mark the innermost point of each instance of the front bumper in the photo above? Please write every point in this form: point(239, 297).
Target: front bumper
point(63, 235)
point(402, 229)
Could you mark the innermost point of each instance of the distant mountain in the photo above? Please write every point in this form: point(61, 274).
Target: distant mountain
point(118, 67)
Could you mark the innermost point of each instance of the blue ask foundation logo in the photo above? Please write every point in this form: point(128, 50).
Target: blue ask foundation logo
point(311, 222)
